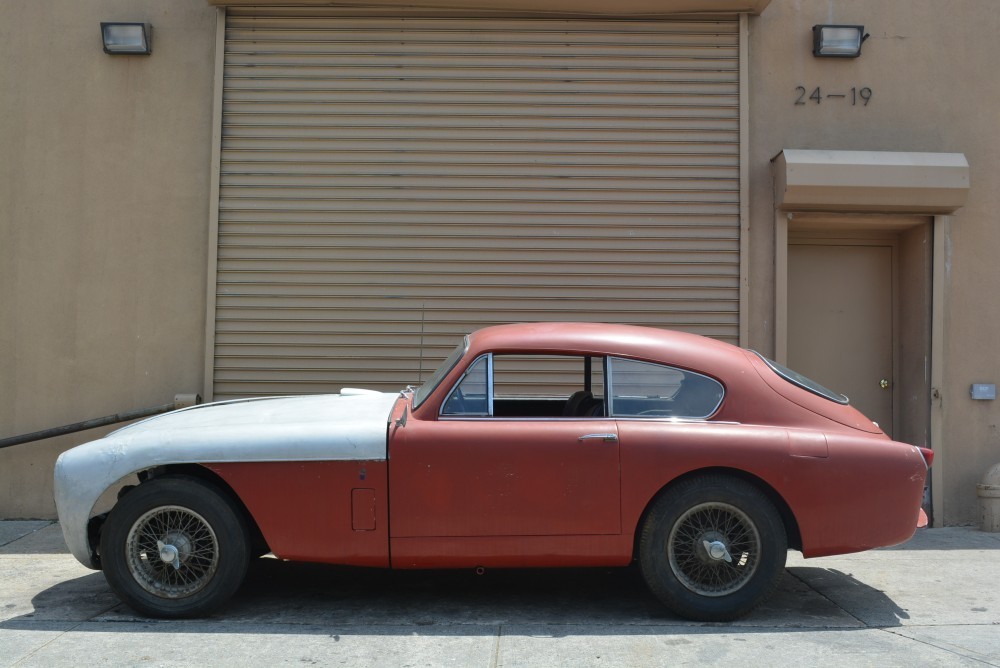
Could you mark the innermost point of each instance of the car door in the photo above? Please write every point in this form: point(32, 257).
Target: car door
point(472, 473)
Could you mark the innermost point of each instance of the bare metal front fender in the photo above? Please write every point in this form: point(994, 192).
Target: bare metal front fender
point(318, 428)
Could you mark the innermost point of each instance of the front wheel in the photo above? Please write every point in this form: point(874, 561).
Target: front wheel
point(175, 547)
point(712, 548)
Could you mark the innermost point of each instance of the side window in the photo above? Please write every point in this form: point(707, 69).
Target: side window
point(470, 396)
point(642, 389)
point(548, 386)
point(529, 387)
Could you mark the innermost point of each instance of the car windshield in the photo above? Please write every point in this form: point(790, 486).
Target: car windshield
point(424, 391)
point(798, 379)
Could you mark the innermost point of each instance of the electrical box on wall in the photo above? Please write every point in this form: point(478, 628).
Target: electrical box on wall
point(984, 391)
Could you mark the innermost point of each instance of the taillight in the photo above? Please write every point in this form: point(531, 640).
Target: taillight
point(928, 455)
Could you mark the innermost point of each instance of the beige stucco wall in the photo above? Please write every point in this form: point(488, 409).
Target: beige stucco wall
point(104, 199)
point(928, 64)
point(104, 187)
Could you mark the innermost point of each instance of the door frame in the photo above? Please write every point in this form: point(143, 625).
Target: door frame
point(872, 226)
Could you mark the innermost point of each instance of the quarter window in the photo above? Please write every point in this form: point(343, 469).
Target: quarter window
point(471, 395)
point(645, 390)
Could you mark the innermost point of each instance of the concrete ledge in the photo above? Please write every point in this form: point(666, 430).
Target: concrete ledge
point(870, 181)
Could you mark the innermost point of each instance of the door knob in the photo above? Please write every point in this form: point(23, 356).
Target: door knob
point(884, 384)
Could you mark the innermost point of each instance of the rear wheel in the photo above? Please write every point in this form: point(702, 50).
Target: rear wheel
point(712, 548)
point(175, 547)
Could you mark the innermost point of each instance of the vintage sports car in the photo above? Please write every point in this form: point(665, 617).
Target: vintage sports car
point(533, 445)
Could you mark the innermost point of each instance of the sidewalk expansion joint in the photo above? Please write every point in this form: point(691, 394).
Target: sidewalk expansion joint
point(495, 659)
point(942, 647)
point(832, 602)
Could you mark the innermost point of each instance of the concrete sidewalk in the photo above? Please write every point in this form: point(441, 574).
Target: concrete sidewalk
point(933, 601)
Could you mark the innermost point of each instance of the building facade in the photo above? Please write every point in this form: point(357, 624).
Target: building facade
point(306, 196)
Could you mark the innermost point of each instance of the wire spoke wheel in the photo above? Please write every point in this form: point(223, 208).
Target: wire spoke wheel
point(175, 546)
point(172, 552)
point(714, 549)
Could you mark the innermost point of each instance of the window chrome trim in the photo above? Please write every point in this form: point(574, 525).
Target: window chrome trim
point(676, 420)
point(489, 384)
point(589, 420)
point(527, 419)
point(609, 388)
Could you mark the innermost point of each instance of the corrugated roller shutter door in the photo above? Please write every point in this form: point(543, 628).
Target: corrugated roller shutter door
point(391, 182)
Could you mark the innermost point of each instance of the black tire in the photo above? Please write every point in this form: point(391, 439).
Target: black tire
point(712, 548)
point(184, 518)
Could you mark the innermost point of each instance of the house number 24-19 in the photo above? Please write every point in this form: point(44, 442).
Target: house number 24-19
point(855, 95)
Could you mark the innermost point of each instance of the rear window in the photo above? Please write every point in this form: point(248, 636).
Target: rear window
point(799, 380)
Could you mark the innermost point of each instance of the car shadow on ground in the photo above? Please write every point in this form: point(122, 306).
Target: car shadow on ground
point(313, 598)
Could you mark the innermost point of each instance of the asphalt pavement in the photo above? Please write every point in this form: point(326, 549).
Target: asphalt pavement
point(934, 601)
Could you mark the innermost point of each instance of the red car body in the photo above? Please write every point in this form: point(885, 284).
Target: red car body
point(707, 500)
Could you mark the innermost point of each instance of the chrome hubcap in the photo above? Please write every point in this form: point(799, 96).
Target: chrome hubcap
point(717, 550)
point(169, 554)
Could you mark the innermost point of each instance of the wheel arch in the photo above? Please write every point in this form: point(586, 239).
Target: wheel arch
point(788, 519)
point(257, 541)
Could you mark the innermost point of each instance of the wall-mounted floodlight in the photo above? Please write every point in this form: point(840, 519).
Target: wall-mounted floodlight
point(127, 38)
point(838, 41)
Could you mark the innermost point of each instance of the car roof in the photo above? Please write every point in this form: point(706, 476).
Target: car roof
point(669, 346)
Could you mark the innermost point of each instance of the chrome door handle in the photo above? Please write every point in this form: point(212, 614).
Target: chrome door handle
point(607, 438)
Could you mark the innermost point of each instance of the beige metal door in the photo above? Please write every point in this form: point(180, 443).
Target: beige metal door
point(840, 317)
point(391, 182)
